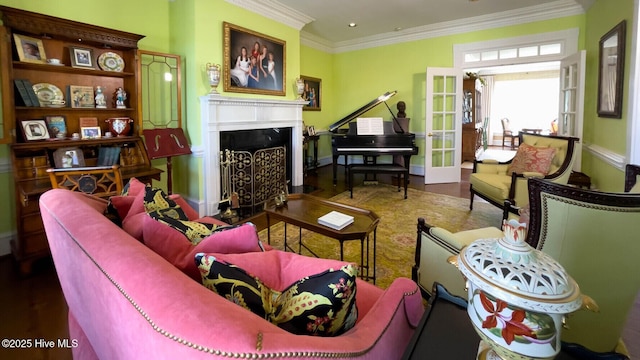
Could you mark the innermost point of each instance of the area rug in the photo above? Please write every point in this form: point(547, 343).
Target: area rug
point(397, 230)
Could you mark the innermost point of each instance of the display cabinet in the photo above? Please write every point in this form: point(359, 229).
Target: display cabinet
point(88, 57)
point(472, 119)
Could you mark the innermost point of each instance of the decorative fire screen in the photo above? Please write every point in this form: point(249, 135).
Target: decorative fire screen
point(252, 178)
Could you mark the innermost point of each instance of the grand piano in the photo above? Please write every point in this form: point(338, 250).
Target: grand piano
point(394, 141)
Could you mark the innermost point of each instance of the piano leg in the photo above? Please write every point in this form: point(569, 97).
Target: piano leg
point(335, 169)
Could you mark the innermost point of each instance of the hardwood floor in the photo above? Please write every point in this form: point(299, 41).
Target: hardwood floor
point(34, 308)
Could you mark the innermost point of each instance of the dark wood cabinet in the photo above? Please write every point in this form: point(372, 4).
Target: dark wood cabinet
point(472, 119)
point(31, 159)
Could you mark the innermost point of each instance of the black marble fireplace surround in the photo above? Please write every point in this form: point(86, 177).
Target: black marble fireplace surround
point(257, 139)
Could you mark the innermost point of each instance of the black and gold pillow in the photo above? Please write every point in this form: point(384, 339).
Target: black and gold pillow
point(322, 305)
point(156, 199)
point(234, 284)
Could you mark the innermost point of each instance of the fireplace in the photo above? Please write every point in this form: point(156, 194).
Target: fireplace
point(223, 116)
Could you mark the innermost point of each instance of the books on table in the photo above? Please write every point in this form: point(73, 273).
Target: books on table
point(335, 220)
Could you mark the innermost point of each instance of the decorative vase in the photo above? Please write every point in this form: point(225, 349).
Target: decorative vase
point(120, 126)
point(213, 72)
point(518, 296)
point(299, 88)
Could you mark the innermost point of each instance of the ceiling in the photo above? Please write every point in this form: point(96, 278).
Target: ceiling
point(329, 19)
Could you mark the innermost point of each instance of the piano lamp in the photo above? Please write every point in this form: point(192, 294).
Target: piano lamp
point(166, 143)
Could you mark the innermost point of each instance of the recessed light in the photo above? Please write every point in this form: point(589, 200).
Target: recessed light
point(398, 28)
point(353, 24)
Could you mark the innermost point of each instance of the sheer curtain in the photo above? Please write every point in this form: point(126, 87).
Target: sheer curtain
point(487, 94)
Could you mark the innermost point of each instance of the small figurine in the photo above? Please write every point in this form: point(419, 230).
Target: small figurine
point(401, 108)
point(100, 101)
point(120, 96)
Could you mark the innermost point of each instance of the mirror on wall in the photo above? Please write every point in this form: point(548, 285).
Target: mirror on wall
point(160, 90)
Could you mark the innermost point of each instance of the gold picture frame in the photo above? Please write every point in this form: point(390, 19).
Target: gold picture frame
point(90, 132)
point(312, 93)
point(611, 71)
point(30, 49)
point(238, 73)
point(81, 96)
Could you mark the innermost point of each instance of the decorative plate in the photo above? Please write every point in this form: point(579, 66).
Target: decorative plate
point(47, 92)
point(110, 61)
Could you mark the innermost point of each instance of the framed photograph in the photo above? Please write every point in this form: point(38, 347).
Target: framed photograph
point(253, 63)
point(57, 126)
point(611, 72)
point(30, 49)
point(312, 93)
point(92, 132)
point(81, 57)
point(70, 157)
point(81, 96)
point(34, 129)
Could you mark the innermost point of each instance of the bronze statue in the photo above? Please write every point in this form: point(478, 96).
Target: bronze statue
point(401, 108)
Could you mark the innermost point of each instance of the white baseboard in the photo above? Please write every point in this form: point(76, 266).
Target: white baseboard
point(5, 243)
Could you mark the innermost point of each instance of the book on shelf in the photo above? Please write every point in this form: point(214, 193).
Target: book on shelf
point(335, 220)
point(108, 155)
point(26, 95)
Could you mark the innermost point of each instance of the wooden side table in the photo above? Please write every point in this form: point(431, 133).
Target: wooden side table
point(303, 210)
point(579, 179)
point(307, 141)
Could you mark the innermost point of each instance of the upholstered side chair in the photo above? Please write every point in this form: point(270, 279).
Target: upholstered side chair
point(596, 248)
point(492, 181)
point(592, 234)
point(632, 178)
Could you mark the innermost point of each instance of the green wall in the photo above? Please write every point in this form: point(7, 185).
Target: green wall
point(196, 27)
point(608, 133)
point(193, 30)
point(360, 76)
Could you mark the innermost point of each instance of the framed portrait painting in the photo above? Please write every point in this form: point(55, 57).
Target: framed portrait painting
point(253, 63)
point(611, 72)
point(312, 93)
point(30, 49)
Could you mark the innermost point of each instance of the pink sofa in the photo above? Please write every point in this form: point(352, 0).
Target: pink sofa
point(127, 302)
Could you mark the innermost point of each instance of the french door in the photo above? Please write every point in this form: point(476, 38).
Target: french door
point(443, 128)
point(571, 107)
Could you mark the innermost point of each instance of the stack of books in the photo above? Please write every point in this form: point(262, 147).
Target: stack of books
point(335, 220)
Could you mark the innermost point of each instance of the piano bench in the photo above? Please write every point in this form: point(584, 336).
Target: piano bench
point(378, 169)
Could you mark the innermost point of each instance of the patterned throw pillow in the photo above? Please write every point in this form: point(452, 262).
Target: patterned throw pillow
point(194, 231)
point(532, 159)
point(321, 305)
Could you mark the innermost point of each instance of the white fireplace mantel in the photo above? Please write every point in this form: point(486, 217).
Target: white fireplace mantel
point(220, 113)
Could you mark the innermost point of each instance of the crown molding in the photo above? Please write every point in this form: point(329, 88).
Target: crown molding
point(557, 9)
point(275, 11)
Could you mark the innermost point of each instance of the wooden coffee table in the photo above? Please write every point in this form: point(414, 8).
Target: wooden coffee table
point(303, 211)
